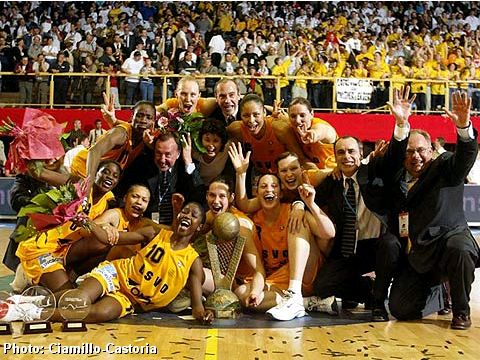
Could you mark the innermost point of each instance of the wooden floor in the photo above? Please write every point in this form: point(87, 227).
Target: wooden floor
point(427, 339)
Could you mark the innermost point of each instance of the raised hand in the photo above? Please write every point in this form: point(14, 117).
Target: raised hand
point(187, 149)
point(380, 149)
point(460, 114)
point(239, 162)
point(108, 109)
point(307, 136)
point(277, 111)
point(401, 107)
point(307, 191)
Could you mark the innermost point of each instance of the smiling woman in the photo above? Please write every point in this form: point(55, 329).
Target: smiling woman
point(47, 258)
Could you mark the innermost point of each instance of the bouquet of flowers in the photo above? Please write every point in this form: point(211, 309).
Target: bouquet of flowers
point(173, 121)
point(36, 139)
point(50, 209)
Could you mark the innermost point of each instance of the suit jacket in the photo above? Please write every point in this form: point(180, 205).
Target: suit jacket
point(435, 204)
point(373, 180)
point(190, 186)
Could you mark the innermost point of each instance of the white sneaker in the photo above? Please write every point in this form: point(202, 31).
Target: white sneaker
point(290, 307)
point(19, 312)
point(21, 280)
point(327, 305)
point(38, 300)
point(181, 302)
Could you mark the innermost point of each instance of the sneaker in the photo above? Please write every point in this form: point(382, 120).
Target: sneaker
point(181, 302)
point(316, 303)
point(290, 307)
point(19, 312)
point(38, 300)
point(21, 280)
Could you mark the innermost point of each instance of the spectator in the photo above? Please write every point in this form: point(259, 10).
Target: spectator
point(42, 82)
point(50, 51)
point(132, 67)
point(146, 82)
point(79, 141)
point(25, 80)
point(96, 132)
point(187, 66)
point(35, 48)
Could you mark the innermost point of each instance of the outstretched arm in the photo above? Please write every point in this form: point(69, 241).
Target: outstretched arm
point(114, 137)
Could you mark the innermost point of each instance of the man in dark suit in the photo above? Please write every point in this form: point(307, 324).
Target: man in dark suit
point(428, 199)
point(358, 206)
point(176, 173)
point(227, 96)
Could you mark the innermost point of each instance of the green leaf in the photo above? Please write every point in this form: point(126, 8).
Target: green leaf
point(32, 209)
point(22, 233)
point(55, 195)
point(198, 144)
point(44, 201)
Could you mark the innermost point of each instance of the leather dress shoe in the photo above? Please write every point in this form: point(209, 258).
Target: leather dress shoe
point(461, 322)
point(379, 312)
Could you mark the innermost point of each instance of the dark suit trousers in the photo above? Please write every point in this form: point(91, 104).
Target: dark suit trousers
point(414, 295)
point(343, 278)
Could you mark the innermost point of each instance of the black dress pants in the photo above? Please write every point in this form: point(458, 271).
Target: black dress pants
point(415, 295)
point(343, 278)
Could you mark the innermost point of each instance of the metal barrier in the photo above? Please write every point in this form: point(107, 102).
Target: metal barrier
point(163, 82)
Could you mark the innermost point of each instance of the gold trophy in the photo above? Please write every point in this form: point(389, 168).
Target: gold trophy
point(225, 248)
point(74, 306)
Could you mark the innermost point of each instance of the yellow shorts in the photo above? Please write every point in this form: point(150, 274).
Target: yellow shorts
point(106, 274)
point(45, 263)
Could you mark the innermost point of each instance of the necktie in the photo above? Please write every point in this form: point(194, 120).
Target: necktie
point(349, 235)
point(230, 119)
point(165, 208)
point(411, 182)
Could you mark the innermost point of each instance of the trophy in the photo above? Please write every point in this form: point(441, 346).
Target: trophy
point(38, 304)
point(74, 306)
point(5, 321)
point(225, 248)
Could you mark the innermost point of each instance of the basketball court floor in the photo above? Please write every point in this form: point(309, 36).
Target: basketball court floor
point(319, 336)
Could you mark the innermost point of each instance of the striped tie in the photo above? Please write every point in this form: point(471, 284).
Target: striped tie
point(165, 208)
point(349, 236)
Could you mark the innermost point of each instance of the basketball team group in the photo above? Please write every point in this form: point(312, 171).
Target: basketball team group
point(320, 221)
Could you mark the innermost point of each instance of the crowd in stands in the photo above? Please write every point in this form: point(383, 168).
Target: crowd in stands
point(435, 41)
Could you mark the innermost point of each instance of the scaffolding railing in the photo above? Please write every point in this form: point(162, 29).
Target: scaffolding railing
point(79, 84)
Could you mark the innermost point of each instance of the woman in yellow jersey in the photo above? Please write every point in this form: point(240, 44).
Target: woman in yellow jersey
point(439, 73)
point(128, 218)
point(419, 88)
point(154, 276)
point(44, 257)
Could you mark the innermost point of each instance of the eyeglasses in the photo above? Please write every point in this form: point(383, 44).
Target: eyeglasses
point(419, 150)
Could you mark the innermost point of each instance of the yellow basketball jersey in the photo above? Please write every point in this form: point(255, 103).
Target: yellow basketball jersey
point(157, 273)
point(52, 240)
